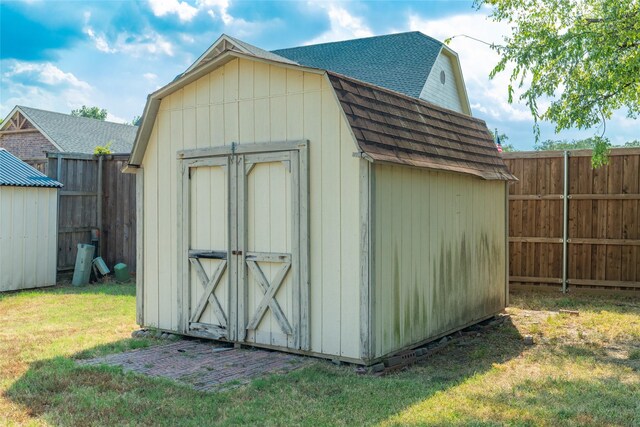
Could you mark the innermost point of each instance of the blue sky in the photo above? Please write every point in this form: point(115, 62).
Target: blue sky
point(59, 55)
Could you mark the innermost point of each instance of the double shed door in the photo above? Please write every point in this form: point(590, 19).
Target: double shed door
point(247, 248)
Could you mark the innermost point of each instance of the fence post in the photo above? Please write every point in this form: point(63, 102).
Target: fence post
point(565, 219)
point(99, 206)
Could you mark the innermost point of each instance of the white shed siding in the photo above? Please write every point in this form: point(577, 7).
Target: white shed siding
point(445, 95)
point(252, 102)
point(28, 236)
point(439, 253)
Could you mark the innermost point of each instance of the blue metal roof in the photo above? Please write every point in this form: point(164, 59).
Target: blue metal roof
point(15, 172)
point(400, 62)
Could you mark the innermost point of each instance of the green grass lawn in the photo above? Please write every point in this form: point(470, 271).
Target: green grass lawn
point(583, 370)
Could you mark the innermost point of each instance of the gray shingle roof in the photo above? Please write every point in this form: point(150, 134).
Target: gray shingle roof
point(400, 62)
point(15, 172)
point(260, 53)
point(80, 134)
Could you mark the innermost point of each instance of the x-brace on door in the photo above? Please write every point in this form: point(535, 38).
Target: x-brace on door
point(245, 217)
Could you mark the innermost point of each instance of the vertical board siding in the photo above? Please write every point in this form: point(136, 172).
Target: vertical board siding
point(439, 253)
point(603, 219)
point(253, 102)
point(28, 233)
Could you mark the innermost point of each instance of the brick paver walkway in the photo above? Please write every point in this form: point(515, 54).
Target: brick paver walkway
point(202, 365)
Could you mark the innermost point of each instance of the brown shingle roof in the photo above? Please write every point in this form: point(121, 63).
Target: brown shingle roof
point(396, 128)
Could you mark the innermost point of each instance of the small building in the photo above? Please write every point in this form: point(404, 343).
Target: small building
point(295, 208)
point(28, 225)
point(30, 133)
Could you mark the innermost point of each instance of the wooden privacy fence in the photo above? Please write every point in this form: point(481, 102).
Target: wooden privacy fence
point(571, 225)
point(96, 195)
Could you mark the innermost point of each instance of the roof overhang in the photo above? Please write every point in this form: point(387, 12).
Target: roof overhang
point(153, 100)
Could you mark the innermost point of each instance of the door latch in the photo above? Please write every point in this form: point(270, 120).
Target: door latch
point(236, 252)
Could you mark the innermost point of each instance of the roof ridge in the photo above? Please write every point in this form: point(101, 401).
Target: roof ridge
point(361, 38)
point(74, 117)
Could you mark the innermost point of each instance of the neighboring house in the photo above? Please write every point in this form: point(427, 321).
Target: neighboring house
point(28, 225)
point(295, 208)
point(30, 133)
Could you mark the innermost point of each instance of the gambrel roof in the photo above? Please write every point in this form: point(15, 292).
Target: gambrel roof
point(388, 126)
point(76, 134)
point(392, 127)
point(400, 62)
point(15, 172)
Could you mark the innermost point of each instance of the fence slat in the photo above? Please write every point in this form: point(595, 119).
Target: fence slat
point(603, 219)
point(78, 213)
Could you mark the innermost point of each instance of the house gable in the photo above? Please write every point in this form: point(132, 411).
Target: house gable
point(227, 43)
point(22, 137)
point(445, 85)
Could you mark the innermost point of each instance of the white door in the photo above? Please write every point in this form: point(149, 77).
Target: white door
point(270, 285)
point(246, 213)
point(208, 254)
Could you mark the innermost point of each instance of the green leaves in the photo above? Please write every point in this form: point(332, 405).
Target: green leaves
point(582, 57)
point(90, 112)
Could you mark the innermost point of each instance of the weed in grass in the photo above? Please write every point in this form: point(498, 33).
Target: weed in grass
point(634, 355)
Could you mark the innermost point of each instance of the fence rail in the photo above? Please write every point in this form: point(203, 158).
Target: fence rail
point(572, 225)
point(96, 195)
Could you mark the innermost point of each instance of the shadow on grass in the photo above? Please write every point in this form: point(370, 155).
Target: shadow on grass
point(61, 392)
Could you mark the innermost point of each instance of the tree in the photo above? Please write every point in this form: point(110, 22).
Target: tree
point(563, 144)
point(581, 55)
point(578, 144)
point(90, 112)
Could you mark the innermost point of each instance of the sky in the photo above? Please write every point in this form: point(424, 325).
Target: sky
point(60, 55)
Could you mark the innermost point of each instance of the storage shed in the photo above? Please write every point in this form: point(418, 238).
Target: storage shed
point(28, 225)
point(295, 208)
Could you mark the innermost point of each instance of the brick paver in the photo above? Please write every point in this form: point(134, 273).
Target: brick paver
point(202, 365)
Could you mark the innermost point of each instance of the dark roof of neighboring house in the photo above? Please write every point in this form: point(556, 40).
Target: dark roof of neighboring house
point(392, 127)
point(15, 172)
point(80, 134)
point(400, 62)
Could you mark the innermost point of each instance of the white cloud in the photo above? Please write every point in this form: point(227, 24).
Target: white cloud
point(116, 119)
point(100, 41)
point(139, 45)
point(217, 8)
point(488, 97)
point(343, 25)
point(150, 76)
point(149, 42)
point(184, 10)
point(41, 85)
point(46, 73)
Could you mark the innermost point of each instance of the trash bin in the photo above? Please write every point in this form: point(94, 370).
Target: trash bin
point(84, 259)
point(121, 271)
